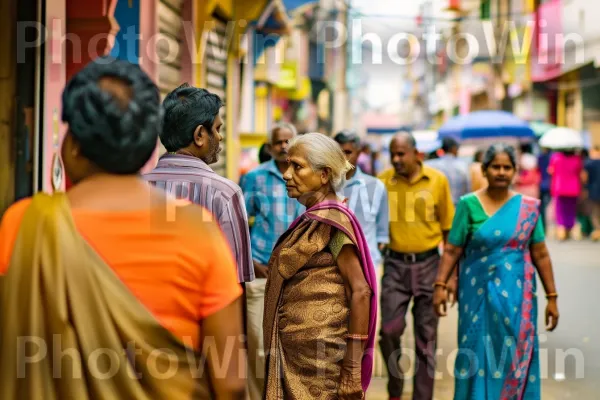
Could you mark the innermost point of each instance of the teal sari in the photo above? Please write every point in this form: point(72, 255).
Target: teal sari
point(497, 334)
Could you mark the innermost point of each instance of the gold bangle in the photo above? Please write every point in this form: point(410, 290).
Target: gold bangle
point(357, 337)
point(440, 284)
point(552, 295)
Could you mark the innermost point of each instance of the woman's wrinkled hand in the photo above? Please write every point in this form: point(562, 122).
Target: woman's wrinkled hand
point(350, 381)
point(440, 301)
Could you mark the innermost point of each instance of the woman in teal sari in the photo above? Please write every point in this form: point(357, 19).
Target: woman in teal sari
point(501, 240)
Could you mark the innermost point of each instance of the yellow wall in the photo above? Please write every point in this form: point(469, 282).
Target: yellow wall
point(243, 12)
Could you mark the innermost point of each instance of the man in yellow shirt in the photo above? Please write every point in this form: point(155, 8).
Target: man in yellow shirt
point(421, 212)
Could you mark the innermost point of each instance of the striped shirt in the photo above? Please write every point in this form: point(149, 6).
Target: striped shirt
point(190, 178)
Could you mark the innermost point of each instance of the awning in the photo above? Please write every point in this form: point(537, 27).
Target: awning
point(273, 23)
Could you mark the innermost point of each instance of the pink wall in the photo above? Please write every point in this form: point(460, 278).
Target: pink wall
point(546, 56)
point(54, 82)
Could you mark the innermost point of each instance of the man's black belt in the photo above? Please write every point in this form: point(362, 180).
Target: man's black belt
point(412, 258)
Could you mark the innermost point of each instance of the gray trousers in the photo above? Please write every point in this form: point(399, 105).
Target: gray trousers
point(402, 282)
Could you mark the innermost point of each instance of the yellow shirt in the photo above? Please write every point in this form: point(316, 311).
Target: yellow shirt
point(419, 210)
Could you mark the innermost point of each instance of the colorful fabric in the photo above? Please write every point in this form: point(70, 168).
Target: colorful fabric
point(188, 263)
point(270, 206)
point(457, 173)
point(497, 334)
point(566, 211)
point(189, 178)
point(61, 294)
point(470, 216)
point(368, 200)
point(419, 210)
point(307, 310)
point(566, 174)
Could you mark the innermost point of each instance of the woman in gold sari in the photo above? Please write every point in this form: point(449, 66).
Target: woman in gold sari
point(320, 303)
point(111, 291)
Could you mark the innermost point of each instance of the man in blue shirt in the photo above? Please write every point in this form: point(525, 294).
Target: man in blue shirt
point(367, 197)
point(455, 170)
point(545, 183)
point(592, 170)
point(273, 212)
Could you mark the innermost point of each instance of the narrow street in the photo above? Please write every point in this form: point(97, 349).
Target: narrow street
point(569, 357)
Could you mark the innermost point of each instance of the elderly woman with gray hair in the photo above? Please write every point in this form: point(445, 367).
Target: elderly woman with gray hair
point(320, 303)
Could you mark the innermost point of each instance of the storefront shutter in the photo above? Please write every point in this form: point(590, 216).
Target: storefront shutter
point(169, 45)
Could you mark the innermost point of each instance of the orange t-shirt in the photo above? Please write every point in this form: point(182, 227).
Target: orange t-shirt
point(180, 272)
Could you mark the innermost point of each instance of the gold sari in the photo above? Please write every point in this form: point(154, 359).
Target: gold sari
point(70, 328)
point(306, 312)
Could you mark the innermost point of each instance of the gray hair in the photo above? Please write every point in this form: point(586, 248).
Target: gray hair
point(323, 152)
point(278, 127)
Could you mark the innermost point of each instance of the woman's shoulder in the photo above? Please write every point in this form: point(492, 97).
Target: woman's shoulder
point(469, 199)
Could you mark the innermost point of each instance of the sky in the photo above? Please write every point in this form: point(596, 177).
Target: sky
point(384, 18)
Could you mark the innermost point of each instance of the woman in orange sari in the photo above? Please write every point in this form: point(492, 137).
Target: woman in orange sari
point(320, 302)
point(111, 287)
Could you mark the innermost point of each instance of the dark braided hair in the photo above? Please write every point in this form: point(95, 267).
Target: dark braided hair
point(113, 111)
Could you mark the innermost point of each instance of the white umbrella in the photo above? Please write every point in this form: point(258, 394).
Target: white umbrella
point(562, 138)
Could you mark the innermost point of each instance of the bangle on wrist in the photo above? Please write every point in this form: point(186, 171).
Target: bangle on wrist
point(357, 337)
point(440, 284)
point(552, 295)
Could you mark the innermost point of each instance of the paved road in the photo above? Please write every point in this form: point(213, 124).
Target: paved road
point(570, 356)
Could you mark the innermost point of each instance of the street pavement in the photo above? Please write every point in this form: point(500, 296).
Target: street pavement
point(569, 356)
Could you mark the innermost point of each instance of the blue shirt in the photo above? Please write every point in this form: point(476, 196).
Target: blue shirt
point(367, 198)
point(457, 173)
point(592, 167)
point(543, 164)
point(273, 211)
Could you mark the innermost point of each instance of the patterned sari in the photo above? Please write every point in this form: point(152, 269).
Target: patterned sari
point(498, 357)
point(307, 310)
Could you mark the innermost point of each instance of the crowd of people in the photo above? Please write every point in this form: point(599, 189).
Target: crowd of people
point(280, 288)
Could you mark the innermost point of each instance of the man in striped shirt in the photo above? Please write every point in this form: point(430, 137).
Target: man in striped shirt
point(191, 135)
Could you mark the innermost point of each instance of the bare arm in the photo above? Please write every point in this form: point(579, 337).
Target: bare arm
point(446, 270)
point(448, 262)
point(541, 259)
point(357, 289)
point(223, 350)
point(359, 296)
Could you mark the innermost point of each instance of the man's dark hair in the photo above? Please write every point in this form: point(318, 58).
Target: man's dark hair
point(113, 111)
point(448, 144)
point(185, 109)
point(346, 136)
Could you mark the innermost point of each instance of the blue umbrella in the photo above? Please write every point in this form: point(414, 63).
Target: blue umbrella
point(486, 124)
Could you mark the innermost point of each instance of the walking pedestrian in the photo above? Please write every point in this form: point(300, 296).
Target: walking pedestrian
point(477, 180)
point(421, 212)
point(566, 170)
point(366, 197)
point(320, 304)
point(81, 271)
point(502, 239)
point(455, 170)
point(592, 168)
point(191, 135)
point(545, 185)
point(273, 212)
